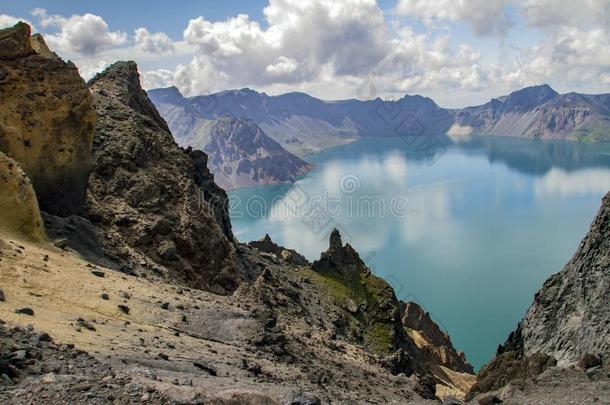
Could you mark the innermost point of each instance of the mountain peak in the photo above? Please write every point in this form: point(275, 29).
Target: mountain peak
point(15, 41)
point(122, 80)
point(126, 71)
point(529, 97)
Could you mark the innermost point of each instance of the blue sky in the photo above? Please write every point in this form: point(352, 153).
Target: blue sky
point(458, 53)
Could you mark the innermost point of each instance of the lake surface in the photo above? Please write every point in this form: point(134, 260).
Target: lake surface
point(469, 230)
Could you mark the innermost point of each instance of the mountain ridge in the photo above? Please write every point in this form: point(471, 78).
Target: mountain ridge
point(304, 124)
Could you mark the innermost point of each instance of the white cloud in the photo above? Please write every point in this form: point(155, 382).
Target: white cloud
point(484, 16)
point(576, 51)
point(157, 43)
point(9, 20)
point(302, 41)
point(157, 78)
point(329, 48)
point(81, 34)
point(554, 13)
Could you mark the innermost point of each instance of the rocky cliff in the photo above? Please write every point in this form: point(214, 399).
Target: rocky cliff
point(154, 200)
point(241, 155)
point(46, 120)
point(568, 321)
point(435, 343)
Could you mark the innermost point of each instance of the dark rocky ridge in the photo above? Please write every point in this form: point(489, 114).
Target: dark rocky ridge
point(153, 199)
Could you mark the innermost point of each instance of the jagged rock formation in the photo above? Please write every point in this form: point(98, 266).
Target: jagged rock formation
point(568, 319)
point(432, 340)
point(19, 213)
point(153, 199)
point(538, 112)
point(291, 256)
point(241, 155)
point(46, 120)
point(375, 317)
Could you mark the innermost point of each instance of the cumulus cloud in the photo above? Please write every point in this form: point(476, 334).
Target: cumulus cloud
point(576, 51)
point(484, 16)
point(9, 20)
point(557, 13)
point(335, 49)
point(81, 34)
point(157, 43)
point(301, 41)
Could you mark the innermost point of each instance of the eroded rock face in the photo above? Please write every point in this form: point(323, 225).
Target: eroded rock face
point(19, 213)
point(434, 342)
point(46, 120)
point(153, 198)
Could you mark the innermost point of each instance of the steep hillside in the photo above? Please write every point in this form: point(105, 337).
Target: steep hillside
point(240, 154)
point(146, 192)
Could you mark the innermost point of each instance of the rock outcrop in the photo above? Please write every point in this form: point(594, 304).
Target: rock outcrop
point(568, 319)
point(154, 200)
point(374, 317)
point(290, 256)
point(19, 213)
point(46, 120)
point(435, 343)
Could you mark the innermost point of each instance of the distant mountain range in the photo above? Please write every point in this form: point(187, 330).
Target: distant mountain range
point(304, 125)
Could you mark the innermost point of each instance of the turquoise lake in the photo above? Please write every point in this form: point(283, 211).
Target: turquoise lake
point(469, 230)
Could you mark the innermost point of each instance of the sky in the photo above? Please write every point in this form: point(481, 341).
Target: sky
point(458, 52)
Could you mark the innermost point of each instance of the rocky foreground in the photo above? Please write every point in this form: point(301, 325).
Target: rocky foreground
point(139, 292)
point(145, 275)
